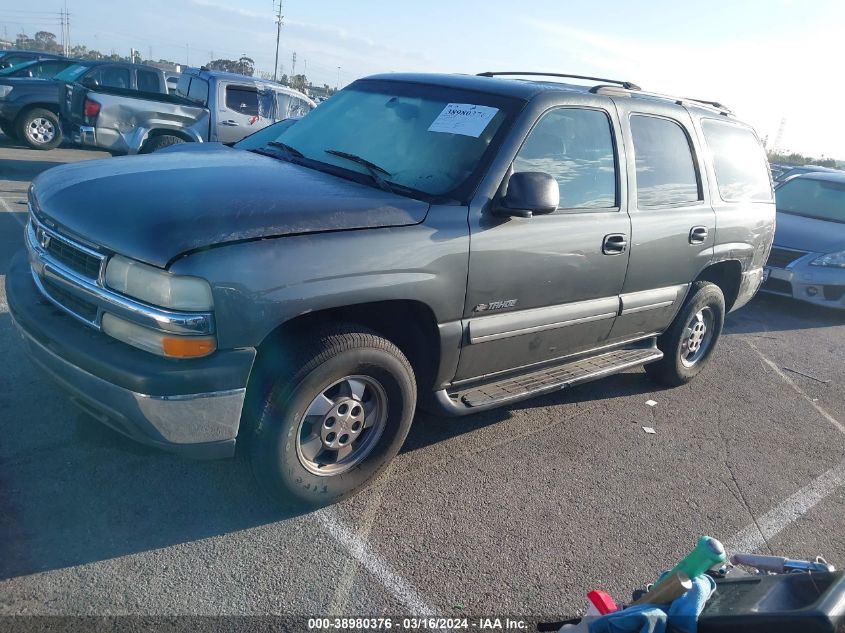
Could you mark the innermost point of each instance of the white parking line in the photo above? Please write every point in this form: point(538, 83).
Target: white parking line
point(751, 538)
point(755, 536)
point(395, 584)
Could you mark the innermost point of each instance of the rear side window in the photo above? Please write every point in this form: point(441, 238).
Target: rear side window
point(198, 92)
point(574, 146)
point(110, 77)
point(739, 162)
point(243, 100)
point(665, 169)
point(148, 81)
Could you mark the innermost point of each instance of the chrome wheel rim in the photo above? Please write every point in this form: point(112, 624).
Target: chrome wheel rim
point(698, 336)
point(41, 130)
point(342, 425)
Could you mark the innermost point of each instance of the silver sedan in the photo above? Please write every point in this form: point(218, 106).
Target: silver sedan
point(807, 261)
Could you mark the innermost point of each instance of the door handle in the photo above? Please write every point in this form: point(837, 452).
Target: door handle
point(614, 244)
point(229, 123)
point(698, 235)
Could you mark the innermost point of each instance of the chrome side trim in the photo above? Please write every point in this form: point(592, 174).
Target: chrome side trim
point(493, 327)
point(46, 267)
point(653, 299)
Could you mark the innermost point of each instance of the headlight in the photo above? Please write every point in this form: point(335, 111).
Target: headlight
point(831, 260)
point(157, 342)
point(156, 286)
point(4, 91)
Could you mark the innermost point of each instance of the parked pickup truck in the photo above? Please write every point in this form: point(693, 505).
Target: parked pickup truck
point(207, 106)
point(29, 108)
point(463, 241)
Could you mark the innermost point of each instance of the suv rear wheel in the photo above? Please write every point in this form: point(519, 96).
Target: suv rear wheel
point(689, 342)
point(331, 415)
point(39, 129)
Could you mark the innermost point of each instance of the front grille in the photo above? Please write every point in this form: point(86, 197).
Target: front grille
point(782, 257)
point(74, 258)
point(71, 302)
point(778, 285)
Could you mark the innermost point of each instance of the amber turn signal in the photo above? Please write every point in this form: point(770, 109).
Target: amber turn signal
point(187, 347)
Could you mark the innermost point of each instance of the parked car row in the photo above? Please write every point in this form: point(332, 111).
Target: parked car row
point(133, 108)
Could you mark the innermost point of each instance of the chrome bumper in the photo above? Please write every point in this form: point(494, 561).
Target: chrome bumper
point(200, 424)
point(84, 135)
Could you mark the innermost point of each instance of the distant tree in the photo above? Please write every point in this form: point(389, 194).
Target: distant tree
point(46, 41)
point(794, 158)
point(242, 66)
point(298, 82)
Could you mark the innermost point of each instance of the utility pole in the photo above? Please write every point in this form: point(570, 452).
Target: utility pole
point(293, 64)
point(279, 17)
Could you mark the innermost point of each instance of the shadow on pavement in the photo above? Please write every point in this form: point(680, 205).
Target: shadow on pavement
point(11, 236)
point(25, 170)
point(73, 491)
point(773, 313)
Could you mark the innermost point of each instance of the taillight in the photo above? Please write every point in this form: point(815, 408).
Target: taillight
point(92, 108)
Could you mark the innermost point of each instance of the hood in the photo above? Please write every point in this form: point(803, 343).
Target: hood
point(809, 234)
point(155, 207)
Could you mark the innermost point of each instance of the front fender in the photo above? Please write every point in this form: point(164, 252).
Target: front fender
point(258, 285)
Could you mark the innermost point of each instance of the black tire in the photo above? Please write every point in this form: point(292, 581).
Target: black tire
point(158, 142)
point(9, 131)
point(39, 129)
point(706, 298)
point(288, 385)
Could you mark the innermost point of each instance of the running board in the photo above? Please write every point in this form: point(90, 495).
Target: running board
point(477, 398)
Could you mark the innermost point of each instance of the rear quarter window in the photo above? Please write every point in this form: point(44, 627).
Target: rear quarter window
point(742, 173)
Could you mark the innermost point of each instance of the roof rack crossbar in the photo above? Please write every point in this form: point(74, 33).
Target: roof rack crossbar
point(625, 84)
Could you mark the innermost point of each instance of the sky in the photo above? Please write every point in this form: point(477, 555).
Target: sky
point(769, 61)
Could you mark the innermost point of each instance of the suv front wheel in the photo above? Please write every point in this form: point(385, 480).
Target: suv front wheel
point(332, 413)
point(689, 342)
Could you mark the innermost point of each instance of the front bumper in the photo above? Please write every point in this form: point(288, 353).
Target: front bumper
point(818, 285)
point(191, 407)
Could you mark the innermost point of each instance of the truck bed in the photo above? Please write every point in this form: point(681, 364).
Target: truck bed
point(127, 118)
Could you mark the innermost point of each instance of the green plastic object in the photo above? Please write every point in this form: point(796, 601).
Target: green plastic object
point(708, 552)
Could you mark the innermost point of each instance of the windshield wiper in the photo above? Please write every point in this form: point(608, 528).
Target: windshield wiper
point(289, 149)
point(374, 170)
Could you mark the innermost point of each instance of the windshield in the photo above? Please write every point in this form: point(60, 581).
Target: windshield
point(819, 199)
point(71, 73)
point(428, 139)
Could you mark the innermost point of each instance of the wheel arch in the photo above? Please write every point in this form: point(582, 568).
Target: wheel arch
point(52, 107)
point(727, 275)
point(408, 324)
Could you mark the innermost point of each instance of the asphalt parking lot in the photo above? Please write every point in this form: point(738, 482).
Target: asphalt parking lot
point(516, 511)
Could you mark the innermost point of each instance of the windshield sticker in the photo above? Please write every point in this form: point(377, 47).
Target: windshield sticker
point(463, 118)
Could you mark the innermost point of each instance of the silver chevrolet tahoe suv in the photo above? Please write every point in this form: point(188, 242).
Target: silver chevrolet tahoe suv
point(461, 242)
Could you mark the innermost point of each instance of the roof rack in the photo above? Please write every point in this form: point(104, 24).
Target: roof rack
point(613, 90)
point(625, 84)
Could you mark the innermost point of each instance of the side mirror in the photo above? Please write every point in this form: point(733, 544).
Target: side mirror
point(527, 193)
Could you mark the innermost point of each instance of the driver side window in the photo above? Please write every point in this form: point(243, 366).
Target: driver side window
point(575, 146)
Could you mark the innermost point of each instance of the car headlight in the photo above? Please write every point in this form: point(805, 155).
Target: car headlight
point(158, 287)
point(831, 260)
point(4, 91)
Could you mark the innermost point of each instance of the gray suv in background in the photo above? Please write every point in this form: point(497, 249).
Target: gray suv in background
point(454, 241)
